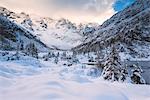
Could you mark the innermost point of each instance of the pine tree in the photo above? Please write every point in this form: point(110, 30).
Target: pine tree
point(34, 52)
point(74, 58)
point(21, 45)
point(99, 58)
point(124, 74)
point(18, 45)
point(2, 41)
point(56, 60)
point(53, 55)
point(64, 55)
point(113, 68)
point(90, 59)
point(31, 50)
point(46, 58)
point(49, 54)
point(136, 75)
point(57, 54)
point(17, 52)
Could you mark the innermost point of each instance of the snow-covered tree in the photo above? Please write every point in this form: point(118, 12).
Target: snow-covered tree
point(90, 59)
point(136, 75)
point(57, 55)
point(74, 58)
point(63, 55)
point(1, 41)
point(124, 74)
point(31, 50)
point(52, 54)
point(48, 56)
point(99, 57)
point(17, 51)
point(113, 69)
point(21, 45)
point(56, 60)
point(18, 45)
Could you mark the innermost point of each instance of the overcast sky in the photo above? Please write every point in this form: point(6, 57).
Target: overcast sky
point(74, 10)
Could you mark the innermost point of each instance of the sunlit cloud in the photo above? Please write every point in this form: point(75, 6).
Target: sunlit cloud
point(74, 10)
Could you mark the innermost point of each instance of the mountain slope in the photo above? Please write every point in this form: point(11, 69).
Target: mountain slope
point(11, 33)
point(128, 30)
point(55, 33)
point(59, 34)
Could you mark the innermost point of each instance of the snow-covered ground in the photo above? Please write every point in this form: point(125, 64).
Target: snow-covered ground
point(32, 79)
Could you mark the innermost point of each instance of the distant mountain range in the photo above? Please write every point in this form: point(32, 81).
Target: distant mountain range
point(128, 30)
point(56, 34)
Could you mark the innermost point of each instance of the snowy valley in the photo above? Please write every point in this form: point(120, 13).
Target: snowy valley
point(42, 58)
point(38, 79)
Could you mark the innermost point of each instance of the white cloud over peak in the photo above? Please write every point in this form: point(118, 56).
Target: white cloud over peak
point(74, 10)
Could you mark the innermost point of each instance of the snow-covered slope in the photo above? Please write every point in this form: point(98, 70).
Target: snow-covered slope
point(11, 34)
point(63, 75)
point(59, 34)
point(35, 79)
point(129, 30)
point(55, 33)
point(125, 35)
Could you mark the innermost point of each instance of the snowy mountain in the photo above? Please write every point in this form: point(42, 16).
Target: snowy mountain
point(122, 42)
point(47, 59)
point(128, 30)
point(55, 33)
point(12, 35)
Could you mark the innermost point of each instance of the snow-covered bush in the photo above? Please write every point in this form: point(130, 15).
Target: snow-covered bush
point(94, 72)
point(136, 75)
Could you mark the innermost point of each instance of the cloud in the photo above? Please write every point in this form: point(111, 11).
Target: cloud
point(75, 10)
point(75, 4)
